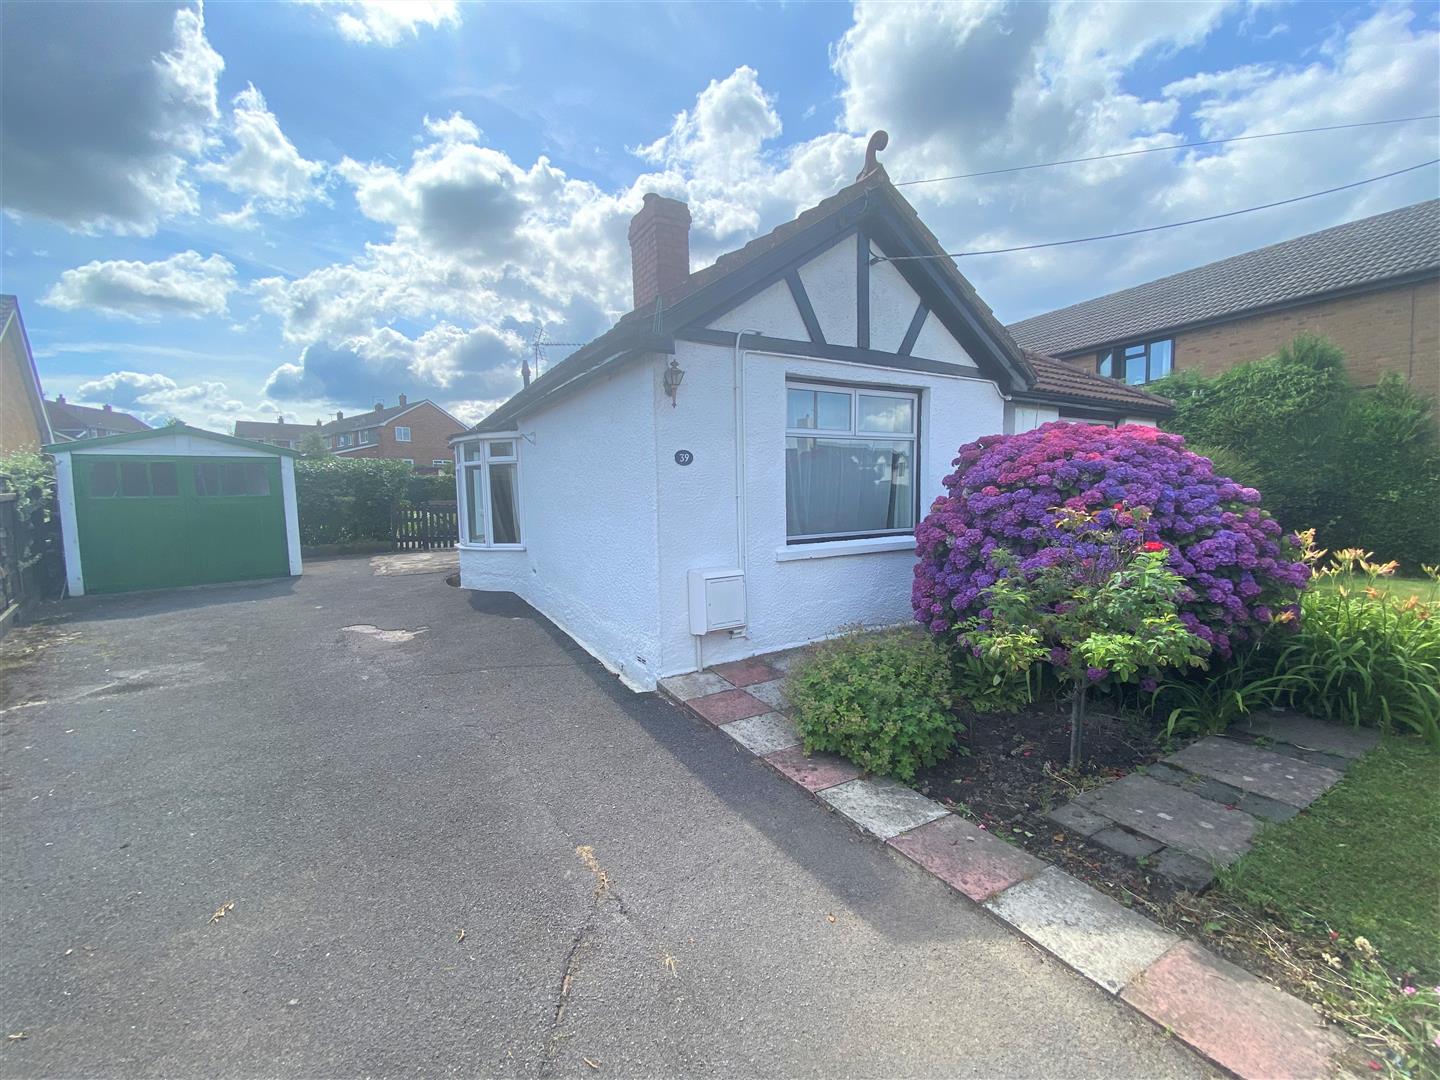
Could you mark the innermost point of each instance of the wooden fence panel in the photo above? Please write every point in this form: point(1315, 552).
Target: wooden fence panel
point(431, 527)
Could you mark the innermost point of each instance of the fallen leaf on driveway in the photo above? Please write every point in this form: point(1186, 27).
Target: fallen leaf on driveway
point(592, 1064)
point(18, 1036)
point(461, 937)
point(670, 963)
point(229, 905)
point(829, 918)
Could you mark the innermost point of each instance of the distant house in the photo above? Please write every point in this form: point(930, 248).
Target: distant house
point(1371, 286)
point(738, 465)
point(69, 421)
point(24, 424)
point(274, 433)
point(417, 433)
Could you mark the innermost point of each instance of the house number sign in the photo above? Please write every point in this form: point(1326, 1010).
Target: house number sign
point(683, 457)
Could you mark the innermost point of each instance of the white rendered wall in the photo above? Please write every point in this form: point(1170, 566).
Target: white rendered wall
point(587, 522)
point(775, 305)
point(1022, 418)
point(829, 281)
point(892, 307)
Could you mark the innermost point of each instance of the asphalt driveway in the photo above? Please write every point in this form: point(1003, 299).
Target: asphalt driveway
point(454, 844)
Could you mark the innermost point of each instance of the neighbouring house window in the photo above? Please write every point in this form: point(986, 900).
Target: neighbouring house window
point(1137, 364)
point(439, 462)
point(342, 440)
point(408, 460)
point(850, 461)
point(366, 437)
point(402, 434)
point(488, 489)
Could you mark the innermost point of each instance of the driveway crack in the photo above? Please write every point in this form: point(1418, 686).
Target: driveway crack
point(600, 894)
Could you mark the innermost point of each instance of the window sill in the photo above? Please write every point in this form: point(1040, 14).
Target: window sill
point(490, 547)
point(832, 548)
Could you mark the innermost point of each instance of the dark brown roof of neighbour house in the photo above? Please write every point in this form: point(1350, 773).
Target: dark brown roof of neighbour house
point(272, 429)
point(1058, 381)
point(642, 330)
point(1398, 245)
point(65, 416)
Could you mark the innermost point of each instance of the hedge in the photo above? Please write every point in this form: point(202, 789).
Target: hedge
point(343, 501)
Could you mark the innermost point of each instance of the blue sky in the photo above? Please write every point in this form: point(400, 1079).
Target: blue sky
point(246, 209)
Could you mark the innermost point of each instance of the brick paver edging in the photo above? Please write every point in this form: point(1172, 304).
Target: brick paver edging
point(1229, 1016)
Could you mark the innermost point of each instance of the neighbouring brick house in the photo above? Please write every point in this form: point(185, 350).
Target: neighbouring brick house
point(24, 424)
point(1371, 286)
point(69, 421)
point(416, 432)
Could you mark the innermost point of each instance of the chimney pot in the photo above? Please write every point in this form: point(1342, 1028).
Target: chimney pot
point(659, 248)
point(108, 409)
point(339, 416)
point(379, 406)
point(59, 399)
point(402, 399)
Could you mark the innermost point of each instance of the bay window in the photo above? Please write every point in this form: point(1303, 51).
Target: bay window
point(488, 489)
point(850, 462)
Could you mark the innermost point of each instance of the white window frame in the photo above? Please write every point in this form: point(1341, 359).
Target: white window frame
point(482, 464)
point(855, 391)
point(439, 462)
point(402, 433)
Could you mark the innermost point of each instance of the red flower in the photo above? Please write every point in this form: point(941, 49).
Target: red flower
point(1152, 545)
point(1118, 507)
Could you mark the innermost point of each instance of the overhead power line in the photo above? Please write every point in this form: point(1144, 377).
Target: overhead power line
point(1170, 146)
point(1157, 228)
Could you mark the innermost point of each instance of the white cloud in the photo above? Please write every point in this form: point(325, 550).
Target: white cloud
point(157, 398)
point(185, 284)
point(102, 115)
point(388, 22)
point(265, 167)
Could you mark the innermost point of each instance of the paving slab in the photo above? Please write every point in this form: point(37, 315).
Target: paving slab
point(696, 684)
point(727, 706)
point(1309, 734)
point(1276, 776)
point(1195, 874)
point(966, 857)
point(763, 734)
point(772, 693)
point(1215, 791)
point(1315, 757)
point(814, 772)
point(1078, 819)
point(745, 672)
point(882, 807)
point(1124, 842)
point(1107, 943)
point(1174, 816)
point(1235, 1019)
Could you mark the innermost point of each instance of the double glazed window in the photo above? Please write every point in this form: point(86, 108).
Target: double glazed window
point(402, 434)
point(489, 493)
point(1137, 364)
point(850, 461)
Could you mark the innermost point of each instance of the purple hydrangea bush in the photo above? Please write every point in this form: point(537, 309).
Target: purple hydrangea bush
point(1241, 570)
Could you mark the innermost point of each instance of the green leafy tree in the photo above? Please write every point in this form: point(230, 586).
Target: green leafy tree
point(313, 445)
point(1100, 612)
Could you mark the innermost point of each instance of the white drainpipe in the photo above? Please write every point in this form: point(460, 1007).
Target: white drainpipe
point(741, 528)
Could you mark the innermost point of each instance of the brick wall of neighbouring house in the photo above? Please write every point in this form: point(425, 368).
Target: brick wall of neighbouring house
point(1387, 330)
point(430, 431)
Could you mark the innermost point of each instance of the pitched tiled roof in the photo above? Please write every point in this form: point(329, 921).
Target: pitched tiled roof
point(1058, 381)
point(8, 304)
point(1403, 243)
point(272, 429)
point(69, 417)
point(636, 330)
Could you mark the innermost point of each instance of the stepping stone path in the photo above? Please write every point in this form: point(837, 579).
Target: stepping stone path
point(1197, 809)
point(1201, 807)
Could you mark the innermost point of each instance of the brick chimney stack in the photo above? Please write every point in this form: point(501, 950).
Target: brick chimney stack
point(659, 248)
point(379, 406)
point(59, 399)
point(402, 399)
point(339, 416)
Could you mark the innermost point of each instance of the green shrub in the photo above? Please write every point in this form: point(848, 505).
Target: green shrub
point(985, 686)
point(1362, 467)
point(344, 500)
point(882, 700)
point(1361, 654)
point(31, 475)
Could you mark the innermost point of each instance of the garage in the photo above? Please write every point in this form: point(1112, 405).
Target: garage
point(173, 507)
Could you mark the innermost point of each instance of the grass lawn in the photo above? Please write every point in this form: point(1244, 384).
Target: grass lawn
point(1401, 588)
point(1363, 861)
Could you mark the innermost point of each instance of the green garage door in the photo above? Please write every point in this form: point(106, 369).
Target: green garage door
point(149, 522)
